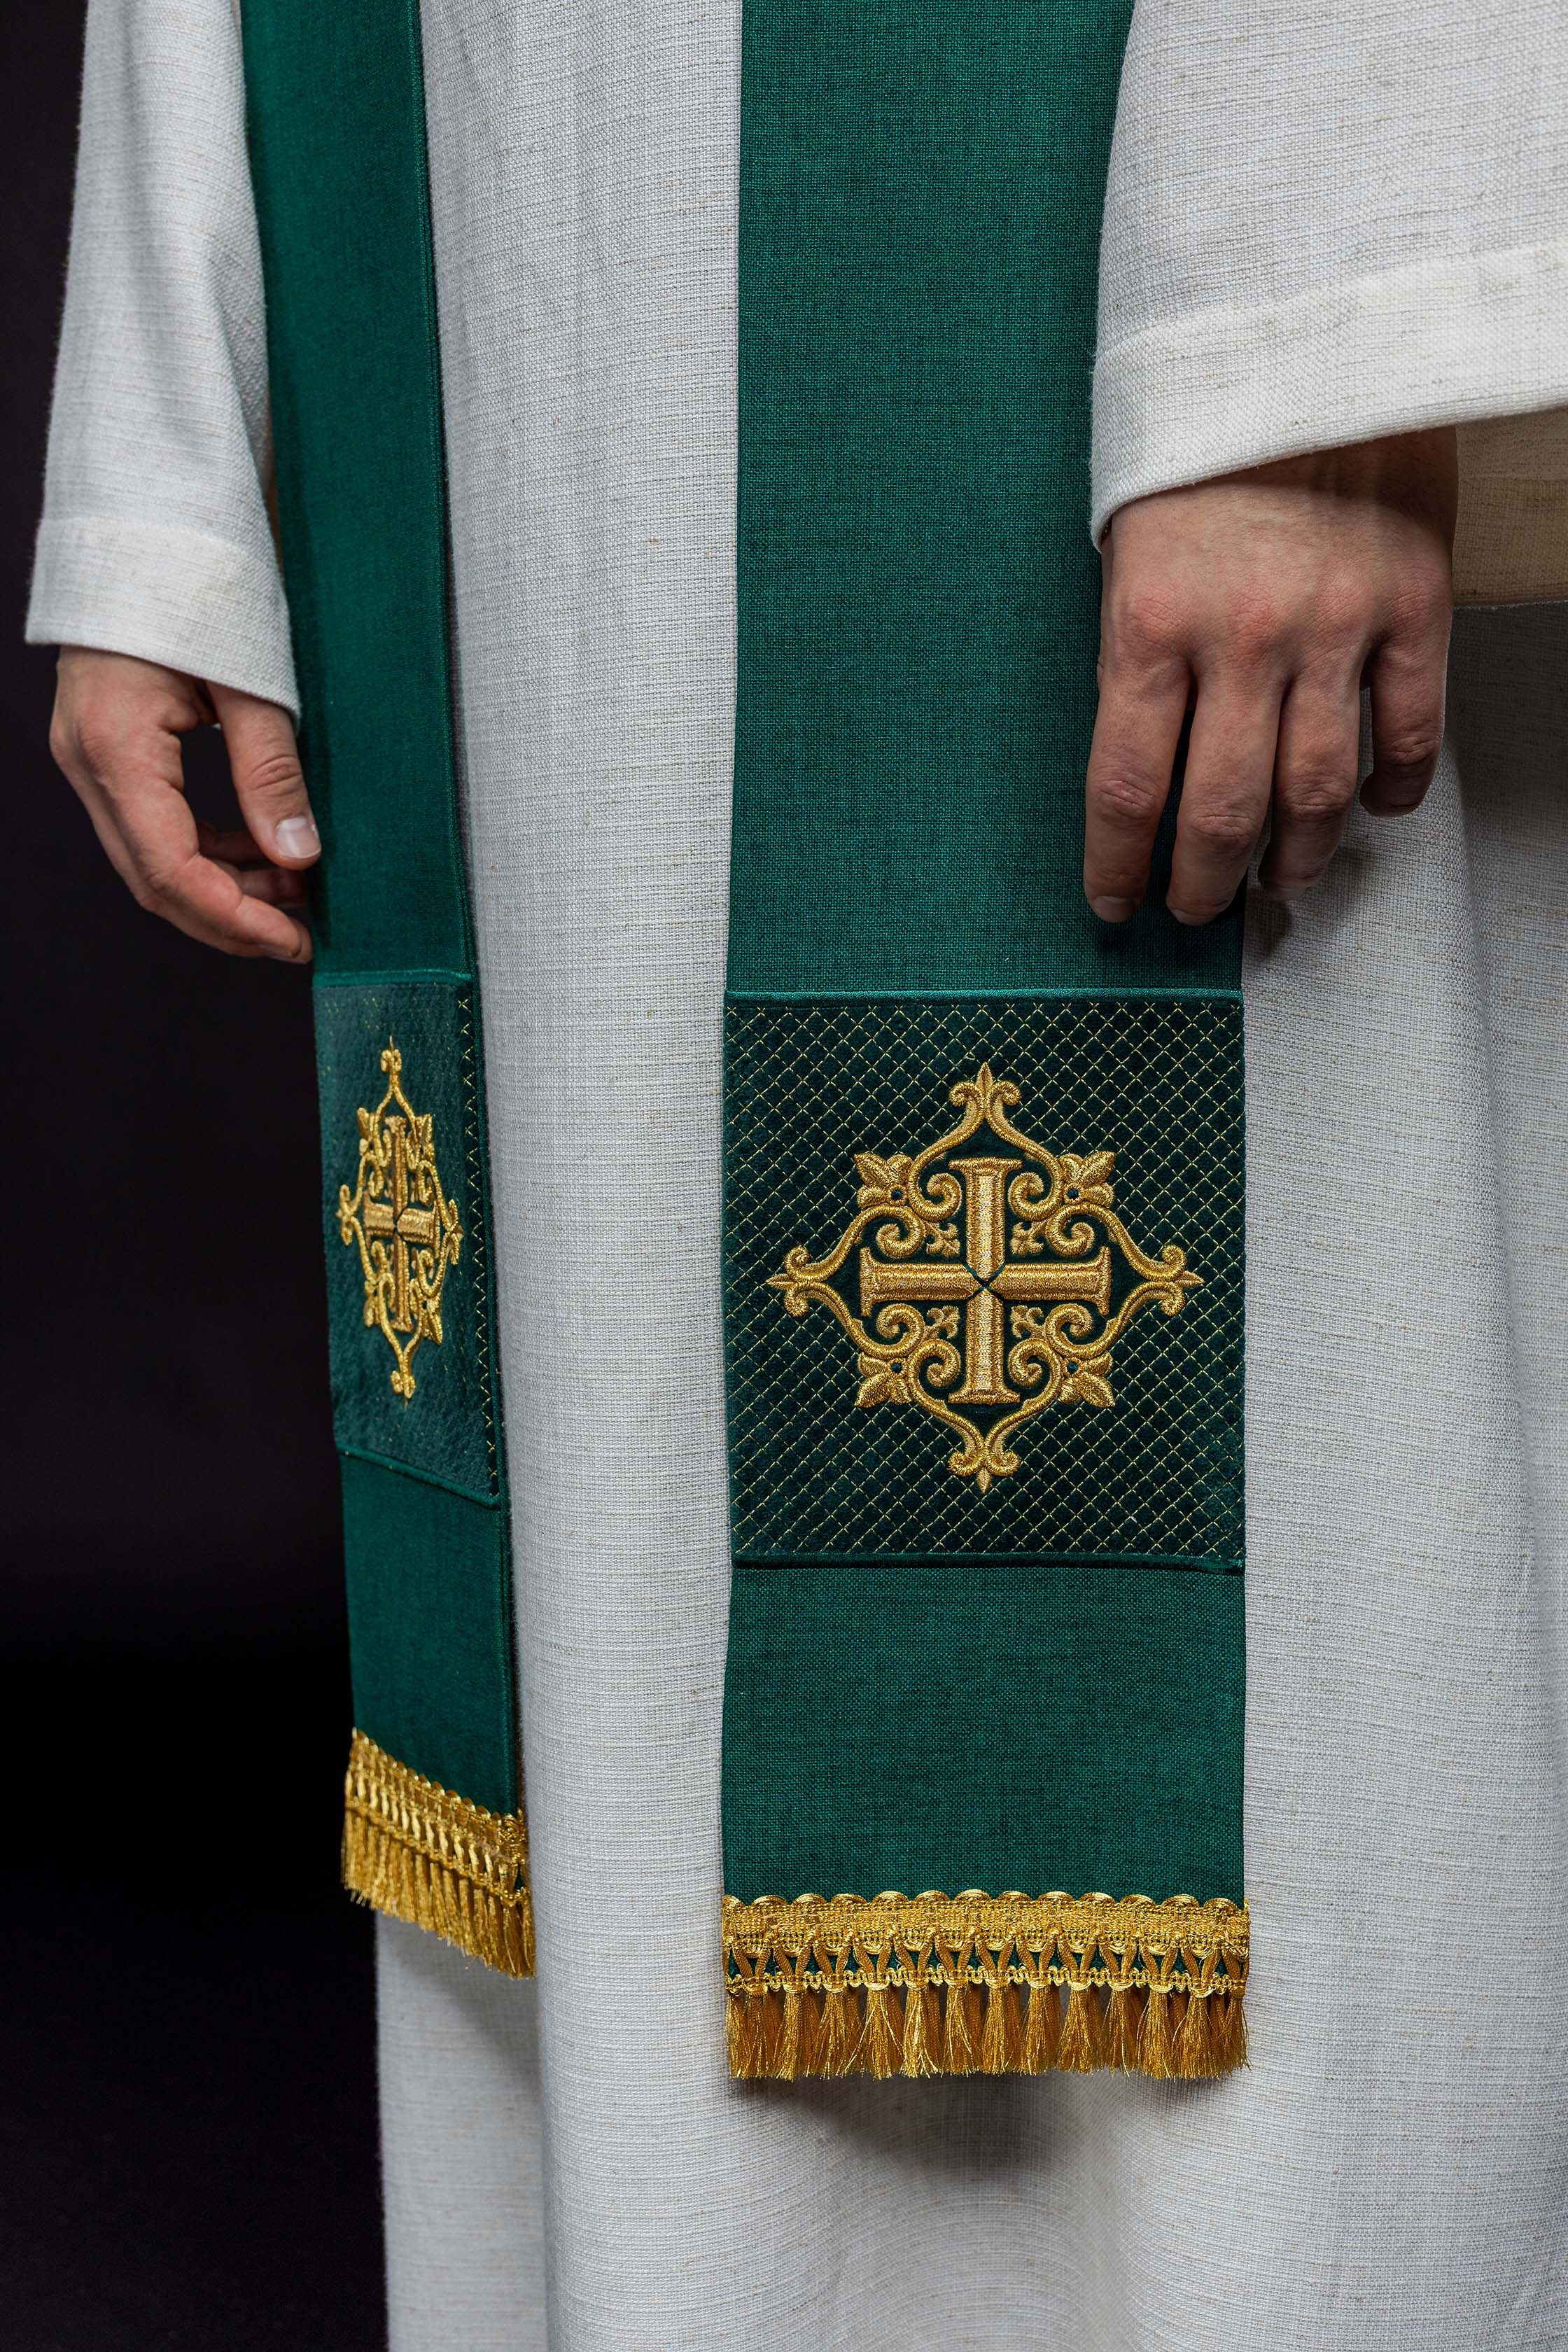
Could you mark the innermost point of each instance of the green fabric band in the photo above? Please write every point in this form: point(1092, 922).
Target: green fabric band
point(986, 1624)
point(918, 599)
point(919, 1688)
point(338, 156)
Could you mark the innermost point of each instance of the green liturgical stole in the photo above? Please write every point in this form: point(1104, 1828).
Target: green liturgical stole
point(982, 1259)
point(434, 1828)
point(983, 1730)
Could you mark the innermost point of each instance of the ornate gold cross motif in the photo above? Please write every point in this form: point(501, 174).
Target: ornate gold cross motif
point(406, 1229)
point(1045, 1283)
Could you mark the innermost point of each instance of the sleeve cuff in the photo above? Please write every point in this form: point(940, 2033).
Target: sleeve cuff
point(176, 596)
point(1474, 337)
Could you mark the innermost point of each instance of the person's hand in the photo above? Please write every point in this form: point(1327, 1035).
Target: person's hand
point(116, 734)
point(1260, 603)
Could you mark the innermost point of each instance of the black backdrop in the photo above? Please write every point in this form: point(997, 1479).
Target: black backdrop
point(187, 2144)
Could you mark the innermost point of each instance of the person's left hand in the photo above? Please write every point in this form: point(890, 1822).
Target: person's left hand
point(1259, 603)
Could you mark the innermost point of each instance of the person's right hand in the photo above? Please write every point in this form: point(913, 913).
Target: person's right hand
point(116, 734)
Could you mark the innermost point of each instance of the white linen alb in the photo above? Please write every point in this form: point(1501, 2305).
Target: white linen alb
point(1385, 2177)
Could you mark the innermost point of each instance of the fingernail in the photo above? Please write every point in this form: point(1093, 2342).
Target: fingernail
point(1114, 911)
point(284, 955)
point(298, 838)
point(1182, 916)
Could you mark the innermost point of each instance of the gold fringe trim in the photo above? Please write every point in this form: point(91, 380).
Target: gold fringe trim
point(983, 1984)
point(417, 1852)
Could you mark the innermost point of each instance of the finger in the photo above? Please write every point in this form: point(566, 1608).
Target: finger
point(232, 847)
point(233, 843)
point(1407, 678)
point(210, 904)
point(1225, 792)
point(278, 885)
point(224, 918)
point(110, 779)
point(268, 782)
point(1137, 731)
point(1316, 765)
point(150, 835)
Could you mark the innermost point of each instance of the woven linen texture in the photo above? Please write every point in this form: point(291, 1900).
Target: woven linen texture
point(156, 538)
point(1157, 1079)
point(1278, 274)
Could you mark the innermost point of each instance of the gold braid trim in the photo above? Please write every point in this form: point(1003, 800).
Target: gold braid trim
point(984, 1984)
point(417, 1852)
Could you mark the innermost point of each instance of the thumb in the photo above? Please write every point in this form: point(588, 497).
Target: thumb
point(268, 782)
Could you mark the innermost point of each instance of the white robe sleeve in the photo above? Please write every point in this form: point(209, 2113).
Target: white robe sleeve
point(1331, 219)
point(155, 538)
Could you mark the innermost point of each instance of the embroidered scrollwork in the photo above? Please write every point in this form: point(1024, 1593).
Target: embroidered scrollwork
point(1038, 1297)
point(405, 1228)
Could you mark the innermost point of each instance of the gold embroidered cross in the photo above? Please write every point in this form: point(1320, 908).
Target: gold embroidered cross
point(400, 1222)
point(406, 1227)
point(1043, 1287)
point(983, 1281)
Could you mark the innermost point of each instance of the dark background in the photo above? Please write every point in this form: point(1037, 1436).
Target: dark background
point(187, 2129)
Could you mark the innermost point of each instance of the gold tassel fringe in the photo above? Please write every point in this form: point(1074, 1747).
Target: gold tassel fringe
point(419, 1852)
point(976, 1983)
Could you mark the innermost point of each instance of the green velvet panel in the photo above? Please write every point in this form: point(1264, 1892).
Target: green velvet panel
point(430, 1631)
point(813, 1083)
point(447, 1427)
point(918, 596)
point(996, 1725)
